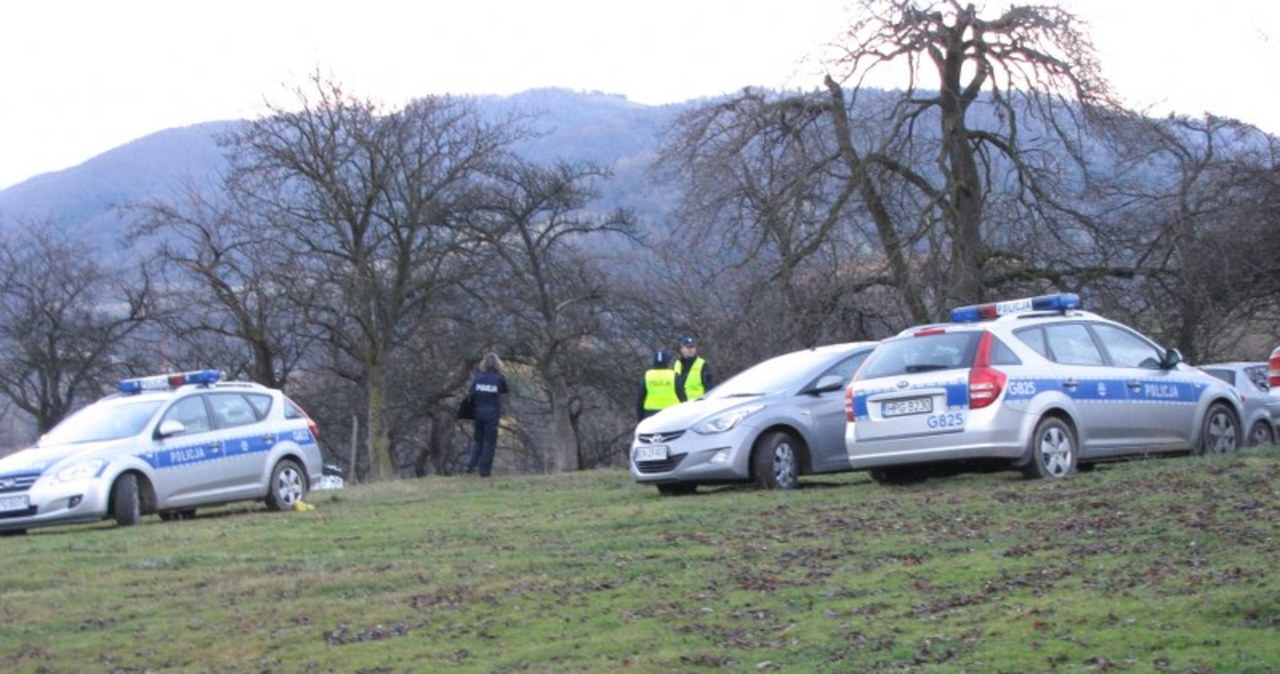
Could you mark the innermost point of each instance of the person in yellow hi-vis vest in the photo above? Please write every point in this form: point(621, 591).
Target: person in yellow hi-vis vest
point(693, 373)
point(658, 387)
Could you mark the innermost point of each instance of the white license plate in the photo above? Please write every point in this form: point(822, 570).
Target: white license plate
point(651, 453)
point(8, 503)
point(901, 408)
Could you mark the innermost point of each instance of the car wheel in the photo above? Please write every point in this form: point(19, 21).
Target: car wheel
point(126, 506)
point(173, 515)
point(1261, 436)
point(681, 489)
point(774, 464)
point(287, 485)
point(1053, 450)
point(1220, 433)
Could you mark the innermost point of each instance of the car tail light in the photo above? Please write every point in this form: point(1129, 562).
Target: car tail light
point(985, 382)
point(1273, 369)
point(848, 404)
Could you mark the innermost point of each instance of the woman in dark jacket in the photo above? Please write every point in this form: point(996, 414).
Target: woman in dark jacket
point(487, 385)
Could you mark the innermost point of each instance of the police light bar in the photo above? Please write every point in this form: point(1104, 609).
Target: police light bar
point(982, 312)
point(162, 382)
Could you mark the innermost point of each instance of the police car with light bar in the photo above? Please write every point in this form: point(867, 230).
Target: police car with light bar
point(166, 445)
point(1036, 384)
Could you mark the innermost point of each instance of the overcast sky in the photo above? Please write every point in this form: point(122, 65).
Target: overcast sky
point(80, 77)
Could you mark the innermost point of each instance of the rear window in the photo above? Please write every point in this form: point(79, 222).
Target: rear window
point(925, 353)
point(1225, 375)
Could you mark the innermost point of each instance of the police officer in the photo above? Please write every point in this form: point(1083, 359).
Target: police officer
point(693, 373)
point(658, 388)
point(487, 387)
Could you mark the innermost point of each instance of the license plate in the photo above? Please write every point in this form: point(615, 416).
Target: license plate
point(651, 453)
point(901, 408)
point(8, 503)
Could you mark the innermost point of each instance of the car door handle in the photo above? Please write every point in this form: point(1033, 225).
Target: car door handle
point(1135, 384)
point(215, 446)
point(1070, 384)
point(270, 438)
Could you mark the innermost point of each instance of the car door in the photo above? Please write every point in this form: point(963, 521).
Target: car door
point(182, 460)
point(828, 452)
point(1160, 404)
point(1096, 388)
point(245, 445)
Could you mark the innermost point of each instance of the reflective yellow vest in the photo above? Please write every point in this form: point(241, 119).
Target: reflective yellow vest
point(660, 389)
point(693, 388)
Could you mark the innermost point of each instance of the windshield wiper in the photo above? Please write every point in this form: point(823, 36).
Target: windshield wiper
point(928, 367)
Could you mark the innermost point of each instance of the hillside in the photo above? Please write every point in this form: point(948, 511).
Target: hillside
point(1155, 566)
point(580, 126)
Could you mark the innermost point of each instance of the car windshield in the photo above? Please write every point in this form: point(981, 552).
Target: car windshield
point(778, 374)
point(102, 422)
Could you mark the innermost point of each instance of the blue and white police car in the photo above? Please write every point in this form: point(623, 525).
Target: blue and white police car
point(166, 445)
point(1036, 384)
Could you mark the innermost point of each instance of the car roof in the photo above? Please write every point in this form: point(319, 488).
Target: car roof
point(1021, 319)
point(1236, 364)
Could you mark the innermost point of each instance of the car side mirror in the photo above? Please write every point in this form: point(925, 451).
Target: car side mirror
point(170, 427)
point(1171, 359)
point(831, 382)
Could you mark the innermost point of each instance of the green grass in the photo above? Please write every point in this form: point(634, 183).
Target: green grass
point(1155, 566)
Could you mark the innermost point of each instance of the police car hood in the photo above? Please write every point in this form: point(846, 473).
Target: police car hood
point(684, 415)
point(40, 459)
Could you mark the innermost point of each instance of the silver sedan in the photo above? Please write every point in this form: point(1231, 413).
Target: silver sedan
point(766, 426)
point(1259, 404)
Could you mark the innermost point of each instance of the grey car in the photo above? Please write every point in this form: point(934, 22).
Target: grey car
point(766, 426)
point(165, 445)
point(1259, 404)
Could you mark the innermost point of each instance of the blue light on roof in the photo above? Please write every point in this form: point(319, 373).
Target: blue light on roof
point(979, 312)
point(173, 380)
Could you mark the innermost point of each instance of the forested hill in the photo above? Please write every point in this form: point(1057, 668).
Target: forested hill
point(597, 127)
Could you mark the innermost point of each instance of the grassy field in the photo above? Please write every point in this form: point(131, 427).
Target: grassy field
point(1153, 566)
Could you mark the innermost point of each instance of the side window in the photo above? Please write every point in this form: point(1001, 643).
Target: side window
point(261, 403)
point(231, 410)
point(1127, 349)
point(1001, 354)
point(191, 412)
point(1071, 344)
point(292, 411)
point(846, 367)
point(1034, 338)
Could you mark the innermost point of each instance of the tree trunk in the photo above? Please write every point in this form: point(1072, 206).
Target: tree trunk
point(381, 466)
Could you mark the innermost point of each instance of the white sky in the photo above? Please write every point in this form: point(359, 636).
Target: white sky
point(80, 77)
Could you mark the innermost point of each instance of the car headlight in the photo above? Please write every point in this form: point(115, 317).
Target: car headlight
point(726, 420)
point(83, 470)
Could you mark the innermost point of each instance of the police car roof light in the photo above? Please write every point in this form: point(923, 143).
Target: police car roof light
point(982, 312)
point(169, 381)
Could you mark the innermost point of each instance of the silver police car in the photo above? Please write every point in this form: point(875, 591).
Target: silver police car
point(164, 445)
point(767, 425)
point(1036, 384)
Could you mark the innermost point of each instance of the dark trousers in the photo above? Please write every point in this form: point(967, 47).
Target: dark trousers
point(482, 448)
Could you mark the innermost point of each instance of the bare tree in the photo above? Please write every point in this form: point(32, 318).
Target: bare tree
point(226, 303)
point(1030, 69)
point(930, 191)
point(1191, 210)
point(548, 292)
point(365, 204)
point(64, 320)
